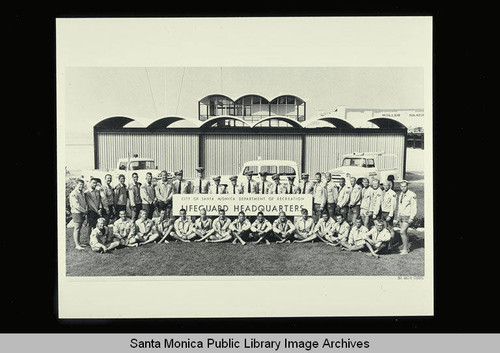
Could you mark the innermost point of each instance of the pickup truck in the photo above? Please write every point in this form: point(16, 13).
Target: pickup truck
point(366, 165)
point(284, 168)
point(125, 166)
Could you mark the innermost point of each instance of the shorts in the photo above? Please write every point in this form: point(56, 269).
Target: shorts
point(384, 217)
point(364, 212)
point(92, 218)
point(405, 219)
point(78, 217)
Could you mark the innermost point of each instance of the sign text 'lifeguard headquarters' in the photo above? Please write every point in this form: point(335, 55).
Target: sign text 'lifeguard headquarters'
point(269, 204)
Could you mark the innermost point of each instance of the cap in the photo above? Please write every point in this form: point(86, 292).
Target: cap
point(264, 173)
point(305, 175)
point(217, 177)
point(200, 169)
point(178, 172)
point(275, 176)
point(232, 178)
point(249, 172)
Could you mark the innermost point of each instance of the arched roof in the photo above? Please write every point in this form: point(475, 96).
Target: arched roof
point(216, 94)
point(337, 122)
point(168, 120)
point(211, 121)
point(301, 100)
point(286, 95)
point(291, 121)
point(114, 122)
point(385, 123)
point(249, 95)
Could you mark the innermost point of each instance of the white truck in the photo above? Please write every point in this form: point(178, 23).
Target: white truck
point(367, 165)
point(125, 166)
point(284, 168)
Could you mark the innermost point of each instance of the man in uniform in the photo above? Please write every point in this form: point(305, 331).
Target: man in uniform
point(221, 229)
point(124, 230)
point(340, 231)
point(107, 195)
point(376, 200)
point(234, 188)
point(366, 197)
point(145, 230)
point(180, 185)
point(200, 185)
point(183, 228)
point(332, 194)
point(388, 208)
point(377, 239)
point(357, 235)
point(94, 203)
point(261, 229)
point(249, 186)
point(354, 201)
point(407, 210)
point(325, 228)
point(319, 197)
point(164, 226)
point(276, 187)
point(263, 185)
point(283, 228)
point(148, 197)
point(307, 186)
point(134, 194)
point(121, 194)
point(240, 228)
point(343, 200)
point(203, 226)
point(101, 240)
point(216, 187)
point(291, 188)
point(304, 228)
point(79, 208)
point(163, 193)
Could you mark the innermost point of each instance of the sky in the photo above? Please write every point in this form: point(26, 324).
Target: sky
point(96, 93)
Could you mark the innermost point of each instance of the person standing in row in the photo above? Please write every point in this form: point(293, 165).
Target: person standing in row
point(249, 186)
point(291, 188)
point(234, 188)
point(147, 192)
point(366, 197)
point(376, 199)
point(343, 200)
point(388, 208)
point(134, 194)
point(163, 192)
point(200, 185)
point(332, 194)
point(307, 186)
point(263, 185)
point(407, 210)
point(121, 194)
point(107, 195)
point(319, 197)
point(354, 200)
point(215, 186)
point(94, 204)
point(79, 207)
point(276, 187)
point(180, 185)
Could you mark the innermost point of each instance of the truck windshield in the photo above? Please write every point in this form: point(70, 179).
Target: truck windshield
point(354, 162)
point(139, 165)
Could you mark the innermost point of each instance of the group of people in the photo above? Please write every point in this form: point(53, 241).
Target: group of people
point(355, 215)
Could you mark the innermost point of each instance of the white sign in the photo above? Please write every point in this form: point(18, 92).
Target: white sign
point(250, 204)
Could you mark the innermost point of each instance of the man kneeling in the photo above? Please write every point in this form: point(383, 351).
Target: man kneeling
point(101, 240)
point(377, 239)
point(261, 229)
point(357, 236)
point(145, 230)
point(221, 229)
point(240, 228)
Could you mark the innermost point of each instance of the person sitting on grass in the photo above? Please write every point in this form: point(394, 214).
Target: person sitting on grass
point(325, 227)
point(357, 235)
point(203, 226)
point(221, 229)
point(145, 230)
point(304, 228)
point(164, 225)
point(377, 239)
point(124, 230)
point(101, 240)
point(240, 228)
point(183, 228)
point(340, 231)
point(283, 228)
point(261, 228)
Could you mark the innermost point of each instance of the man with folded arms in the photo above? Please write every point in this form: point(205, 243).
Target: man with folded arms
point(283, 228)
point(124, 230)
point(377, 239)
point(121, 194)
point(304, 228)
point(145, 230)
point(163, 193)
point(101, 240)
point(357, 235)
point(325, 228)
point(147, 193)
point(183, 228)
point(261, 229)
point(240, 228)
point(134, 194)
point(203, 226)
point(221, 229)
point(164, 226)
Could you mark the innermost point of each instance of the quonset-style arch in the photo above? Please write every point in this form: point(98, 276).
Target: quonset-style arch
point(115, 122)
point(276, 99)
point(208, 123)
point(337, 122)
point(290, 121)
point(165, 122)
point(240, 100)
point(386, 123)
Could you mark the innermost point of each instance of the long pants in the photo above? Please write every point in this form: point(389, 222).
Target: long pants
point(150, 209)
point(135, 211)
point(330, 207)
point(354, 212)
